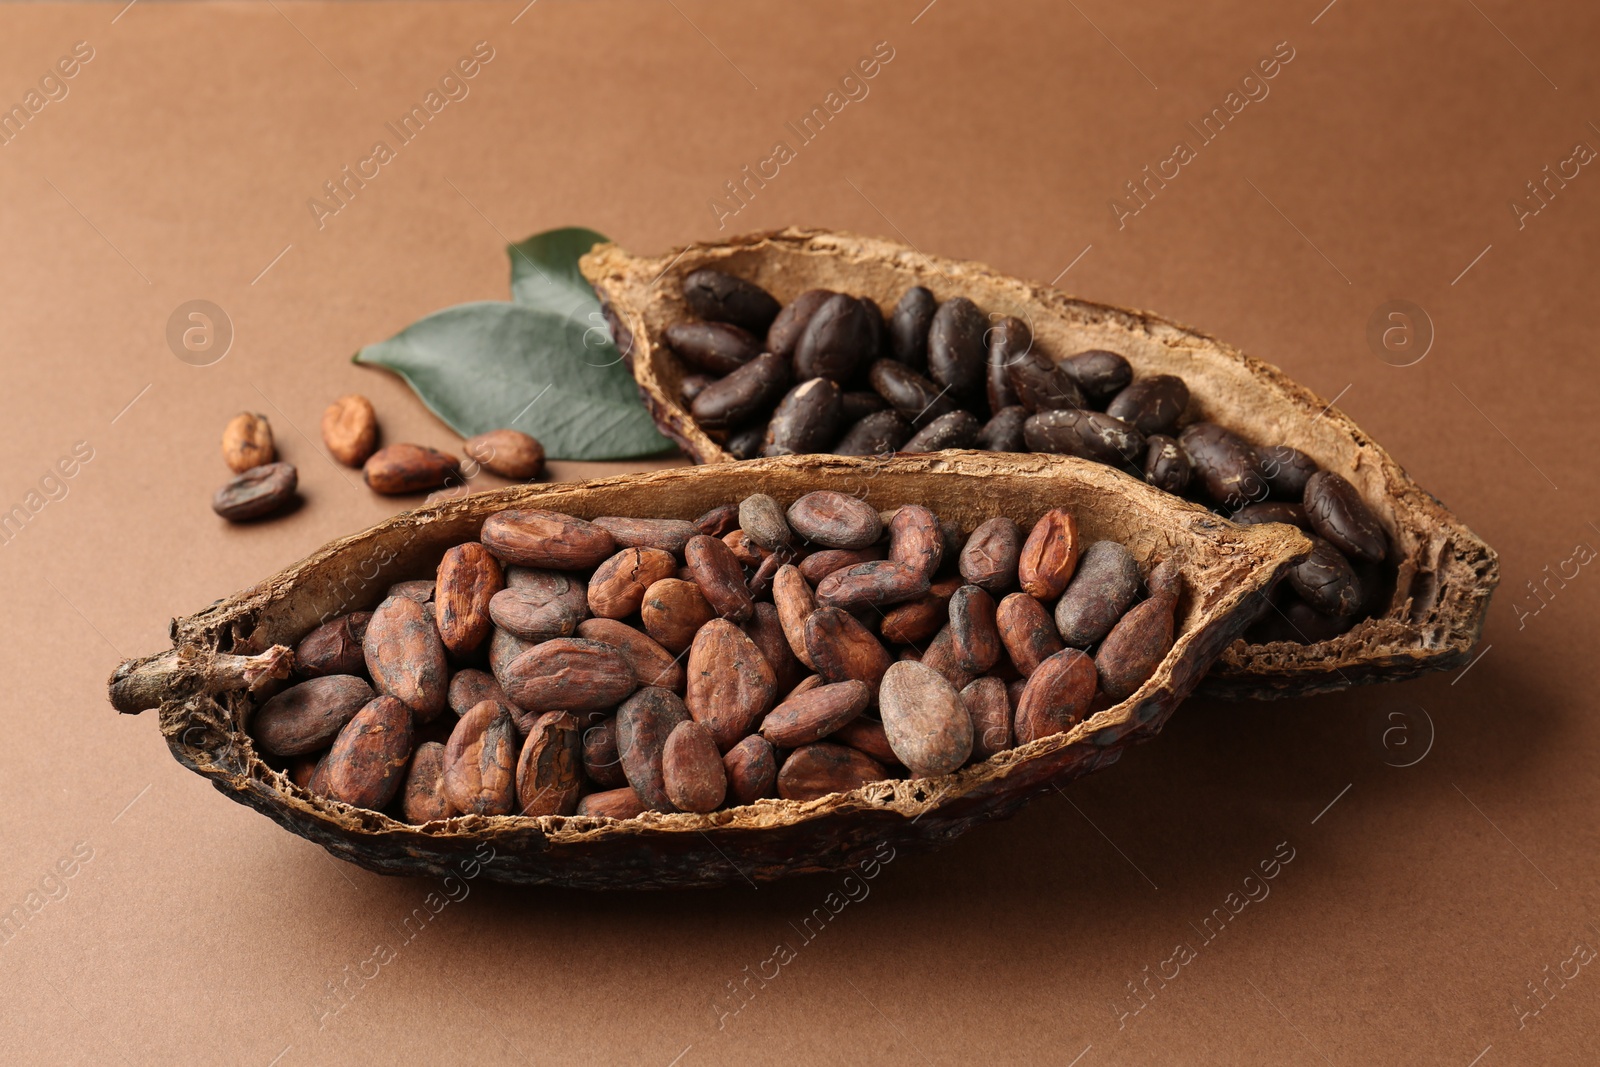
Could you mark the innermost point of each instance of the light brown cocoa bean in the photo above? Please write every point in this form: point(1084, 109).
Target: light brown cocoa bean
point(643, 723)
point(306, 717)
point(405, 657)
point(504, 647)
point(752, 770)
point(601, 763)
point(621, 803)
point(990, 711)
point(794, 602)
point(761, 517)
point(406, 468)
point(669, 535)
point(814, 771)
point(974, 636)
point(368, 760)
point(941, 656)
point(1027, 631)
point(720, 577)
point(866, 735)
point(841, 648)
point(813, 715)
point(691, 769)
point(673, 611)
point(766, 630)
point(247, 442)
point(418, 589)
point(876, 584)
point(818, 565)
point(927, 725)
point(334, 647)
point(423, 799)
point(730, 682)
point(744, 548)
point(550, 769)
point(546, 539)
point(1049, 555)
point(480, 761)
point(1056, 697)
point(916, 540)
point(531, 617)
point(350, 430)
point(470, 687)
point(650, 663)
point(616, 589)
point(569, 674)
point(989, 558)
point(468, 577)
point(835, 520)
point(508, 453)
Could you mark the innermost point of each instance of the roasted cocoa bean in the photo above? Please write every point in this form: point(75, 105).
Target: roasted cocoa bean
point(909, 325)
point(1100, 374)
point(669, 535)
point(1056, 697)
point(730, 683)
point(306, 717)
point(919, 400)
point(350, 430)
point(1326, 581)
point(815, 714)
point(644, 722)
point(617, 587)
point(990, 556)
point(568, 674)
point(1040, 384)
point(692, 770)
point(1050, 555)
point(720, 577)
point(927, 725)
point(247, 442)
point(419, 589)
point(546, 539)
point(1004, 432)
point(841, 648)
point(550, 769)
point(746, 443)
point(958, 429)
point(1272, 511)
point(732, 401)
point(673, 612)
point(1010, 341)
point(973, 634)
point(468, 578)
point(508, 453)
point(1104, 587)
point(807, 419)
point(405, 657)
point(761, 517)
point(990, 711)
point(1086, 434)
point(720, 297)
point(878, 434)
point(334, 647)
point(423, 799)
point(714, 347)
point(1339, 515)
point(957, 351)
point(744, 548)
point(480, 761)
point(368, 760)
point(601, 764)
point(1225, 463)
point(1027, 632)
point(396, 470)
point(815, 771)
point(504, 647)
point(858, 404)
point(1287, 470)
point(837, 341)
point(257, 493)
point(1152, 404)
point(752, 770)
point(650, 663)
point(783, 336)
point(1166, 465)
point(792, 599)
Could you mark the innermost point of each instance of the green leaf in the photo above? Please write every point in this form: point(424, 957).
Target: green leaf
point(544, 270)
point(553, 374)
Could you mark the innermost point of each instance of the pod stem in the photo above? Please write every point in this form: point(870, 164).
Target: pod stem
point(179, 673)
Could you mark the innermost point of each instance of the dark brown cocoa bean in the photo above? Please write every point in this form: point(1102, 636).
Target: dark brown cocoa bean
point(1272, 511)
point(989, 558)
point(692, 386)
point(673, 612)
point(841, 648)
point(717, 522)
point(692, 770)
point(713, 347)
point(616, 589)
point(730, 683)
point(306, 717)
point(470, 687)
point(732, 401)
point(395, 470)
point(334, 647)
point(644, 722)
point(550, 768)
point(1027, 632)
point(1086, 434)
point(1056, 697)
point(818, 565)
point(621, 803)
point(1105, 586)
point(568, 674)
point(878, 583)
point(601, 764)
point(1100, 374)
point(957, 429)
point(423, 799)
point(957, 351)
point(546, 539)
point(1166, 465)
point(1004, 432)
point(1287, 470)
point(909, 325)
point(835, 520)
point(838, 340)
point(974, 638)
point(1010, 341)
point(1339, 515)
point(1152, 404)
point(720, 576)
point(878, 434)
point(1326, 581)
point(879, 329)
point(669, 535)
point(808, 419)
point(256, 493)
point(1050, 555)
point(531, 617)
point(783, 336)
point(990, 711)
point(746, 443)
point(752, 770)
point(1040, 384)
point(858, 404)
point(720, 297)
point(814, 771)
point(916, 621)
point(919, 400)
point(480, 761)
point(815, 714)
point(650, 663)
point(1226, 464)
point(468, 578)
point(927, 725)
point(368, 760)
point(405, 657)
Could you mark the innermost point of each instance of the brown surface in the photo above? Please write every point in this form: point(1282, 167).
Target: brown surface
point(1416, 908)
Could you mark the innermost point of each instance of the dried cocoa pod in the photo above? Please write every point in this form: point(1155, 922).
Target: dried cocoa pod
point(841, 648)
point(1152, 404)
point(601, 763)
point(1272, 511)
point(815, 714)
point(783, 336)
point(568, 674)
point(751, 767)
point(1049, 555)
point(957, 351)
point(720, 577)
point(644, 722)
point(1225, 463)
point(722, 297)
point(717, 522)
point(406, 468)
point(877, 583)
point(927, 725)
point(1137, 644)
point(616, 589)
point(621, 803)
point(1088, 434)
point(814, 771)
point(730, 683)
point(941, 657)
point(880, 433)
point(673, 612)
point(1287, 470)
point(792, 598)
point(508, 453)
point(423, 799)
point(1010, 340)
point(669, 535)
point(1004, 432)
point(405, 657)
point(838, 339)
point(762, 518)
point(468, 577)
point(989, 558)
point(765, 628)
point(919, 400)
point(691, 769)
point(470, 687)
point(334, 647)
point(480, 761)
point(420, 589)
point(807, 419)
point(975, 639)
point(306, 717)
point(1100, 374)
point(1027, 631)
point(546, 539)
point(550, 768)
point(916, 539)
point(1339, 515)
point(818, 565)
point(990, 711)
point(1056, 697)
point(257, 493)
point(350, 430)
point(531, 617)
point(1040, 384)
point(957, 429)
point(1326, 581)
point(368, 760)
point(714, 347)
point(1166, 464)
point(650, 663)
point(866, 736)
point(915, 621)
point(909, 325)
point(734, 400)
point(1105, 586)
point(247, 442)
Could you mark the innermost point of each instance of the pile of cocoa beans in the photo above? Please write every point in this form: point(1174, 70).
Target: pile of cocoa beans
point(829, 373)
point(559, 666)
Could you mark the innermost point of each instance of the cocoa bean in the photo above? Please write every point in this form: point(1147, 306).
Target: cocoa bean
point(989, 558)
point(247, 442)
point(508, 453)
point(751, 767)
point(714, 347)
point(835, 520)
point(568, 674)
point(419, 589)
point(957, 429)
point(1040, 384)
point(838, 339)
point(643, 723)
point(866, 736)
point(941, 656)
point(990, 711)
point(617, 587)
point(334, 647)
point(746, 443)
point(916, 540)
point(601, 763)
point(470, 687)
point(761, 517)
point(878, 583)
point(730, 402)
point(621, 803)
point(815, 714)
point(792, 598)
point(721, 297)
point(650, 663)
point(406, 468)
point(858, 404)
point(927, 725)
point(744, 548)
point(692, 770)
point(480, 761)
point(783, 336)
point(1105, 586)
point(504, 647)
point(841, 648)
point(957, 351)
point(730, 684)
point(546, 539)
point(916, 621)
point(717, 522)
point(1166, 464)
point(669, 535)
point(1027, 632)
point(405, 657)
point(1225, 463)
point(1339, 515)
point(468, 577)
point(1272, 511)
point(423, 799)
point(257, 493)
point(1287, 470)
point(550, 768)
point(975, 640)
point(1151, 404)
point(1100, 374)
point(368, 760)
point(818, 565)
point(1086, 434)
point(909, 325)
point(765, 628)
point(807, 419)
point(1010, 340)
point(720, 577)
point(306, 717)
point(1004, 432)
point(350, 430)
point(530, 617)
point(815, 771)
point(879, 434)
point(1139, 642)
point(1049, 555)
point(673, 612)
point(1326, 581)
point(1056, 697)
point(918, 400)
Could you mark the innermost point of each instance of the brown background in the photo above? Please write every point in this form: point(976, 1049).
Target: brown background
point(1416, 908)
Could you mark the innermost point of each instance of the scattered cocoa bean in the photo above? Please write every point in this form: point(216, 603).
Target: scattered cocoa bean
point(350, 430)
point(508, 453)
point(247, 442)
point(406, 468)
point(257, 493)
